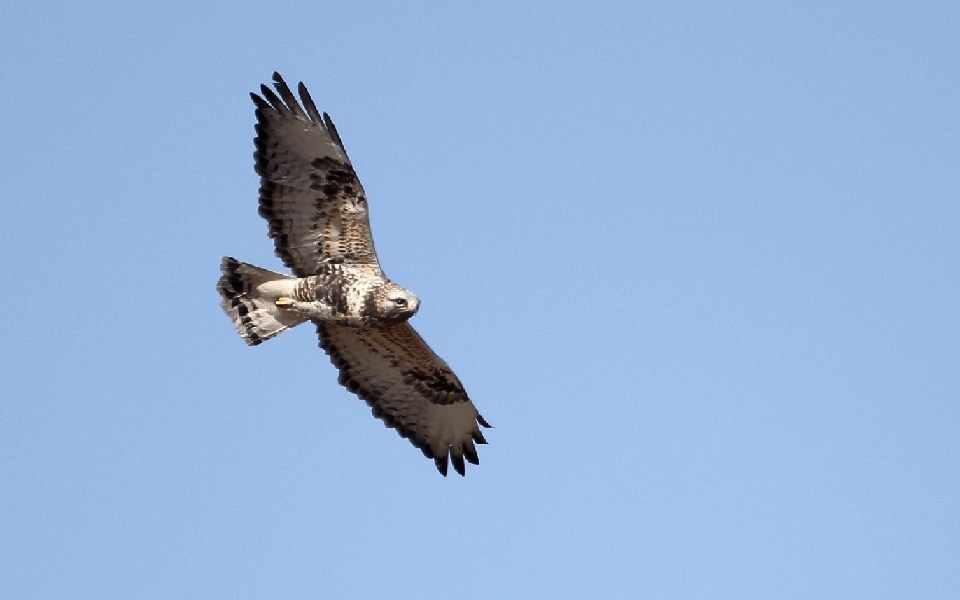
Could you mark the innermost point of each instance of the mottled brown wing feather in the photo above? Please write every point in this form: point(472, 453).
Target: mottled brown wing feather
point(408, 387)
point(309, 192)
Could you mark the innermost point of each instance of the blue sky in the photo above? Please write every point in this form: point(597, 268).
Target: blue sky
point(699, 265)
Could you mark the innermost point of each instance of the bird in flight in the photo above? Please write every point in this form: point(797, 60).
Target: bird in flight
point(319, 222)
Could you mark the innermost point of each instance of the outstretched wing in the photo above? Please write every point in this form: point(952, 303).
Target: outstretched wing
point(409, 387)
point(309, 192)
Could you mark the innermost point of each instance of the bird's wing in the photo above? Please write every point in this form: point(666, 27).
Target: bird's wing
point(407, 386)
point(309, 192)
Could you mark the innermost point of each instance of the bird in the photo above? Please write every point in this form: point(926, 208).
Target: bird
point(318, 218)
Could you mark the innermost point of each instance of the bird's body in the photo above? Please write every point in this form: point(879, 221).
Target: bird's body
point(345, 294)
point(317, 215)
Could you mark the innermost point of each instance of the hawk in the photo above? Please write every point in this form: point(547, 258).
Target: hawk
point(318, 220)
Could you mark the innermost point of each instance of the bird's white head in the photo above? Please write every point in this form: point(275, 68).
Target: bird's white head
point(390, 302)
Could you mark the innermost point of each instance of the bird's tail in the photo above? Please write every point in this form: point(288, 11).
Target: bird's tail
point(249, 297)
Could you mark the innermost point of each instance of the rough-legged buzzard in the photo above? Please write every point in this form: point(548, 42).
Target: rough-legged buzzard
point(317, 215)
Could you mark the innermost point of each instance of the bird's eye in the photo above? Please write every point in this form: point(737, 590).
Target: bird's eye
point(400, 301)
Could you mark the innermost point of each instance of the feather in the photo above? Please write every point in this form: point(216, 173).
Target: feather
point(309, 105)
point(288, 98)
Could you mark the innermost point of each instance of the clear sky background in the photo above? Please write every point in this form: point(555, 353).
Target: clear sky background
point(699, 265)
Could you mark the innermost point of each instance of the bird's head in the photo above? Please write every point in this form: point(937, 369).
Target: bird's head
point(391, 302)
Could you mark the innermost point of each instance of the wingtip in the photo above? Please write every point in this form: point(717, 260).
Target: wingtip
point(441, 465)
point(470, 453)
point(309, 104)
point(271, 97)
point(458, 465)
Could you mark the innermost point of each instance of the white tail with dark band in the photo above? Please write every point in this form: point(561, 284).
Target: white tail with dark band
point(249, 297)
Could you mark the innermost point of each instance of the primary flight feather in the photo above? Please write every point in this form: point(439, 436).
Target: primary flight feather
point(318, 220)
